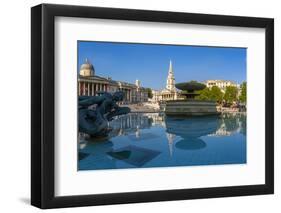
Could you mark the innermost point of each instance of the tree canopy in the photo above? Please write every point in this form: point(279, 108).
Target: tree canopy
point(149, 92)
point(243, 95)
point(216, 94)
point(204, 95)
point(230, 94)
point(211, 94)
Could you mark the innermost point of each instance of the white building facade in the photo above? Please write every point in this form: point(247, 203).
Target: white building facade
point(90, 84)
point(222, 84)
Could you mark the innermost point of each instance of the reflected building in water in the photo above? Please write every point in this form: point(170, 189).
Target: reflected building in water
point(137, 145)
point(134, 122)
point(171, 139)
point(157, 119)
point(231, 124)
point(193, 127)
point(189, 130)
point(131, 123)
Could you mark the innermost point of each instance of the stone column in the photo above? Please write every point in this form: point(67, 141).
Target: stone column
point(128, 92)
point(84, 88)
point(125, 95)
point(79, 88)
point(88, 89)
point(97, 88)
point(93, 91)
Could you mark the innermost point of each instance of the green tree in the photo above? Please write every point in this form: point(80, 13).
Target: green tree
point(243, 95)
point(149, 92)
point(213, 94)
point(230, 94)
point(216, 94)
point(204, 94)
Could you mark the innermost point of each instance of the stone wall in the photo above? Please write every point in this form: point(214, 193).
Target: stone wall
point(190, 108)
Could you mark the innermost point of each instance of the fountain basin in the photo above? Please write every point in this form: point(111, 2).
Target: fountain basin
point(190, 108)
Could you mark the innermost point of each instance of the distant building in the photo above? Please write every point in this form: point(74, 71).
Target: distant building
point(170, 92)
point(89, 84)
point(156, 96)
point(222, 84)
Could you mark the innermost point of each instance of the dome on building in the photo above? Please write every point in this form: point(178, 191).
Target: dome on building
point(87, 69)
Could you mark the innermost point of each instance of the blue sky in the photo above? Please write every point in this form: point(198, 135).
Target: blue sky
point(149, 63)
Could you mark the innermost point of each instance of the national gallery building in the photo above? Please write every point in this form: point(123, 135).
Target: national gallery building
point(90, 84)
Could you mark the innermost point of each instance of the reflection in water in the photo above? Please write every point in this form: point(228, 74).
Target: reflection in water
point(153, 140)
point(131, 123)
point(191, 129)
point(171, 138)
point(230, 124)
point(134, 155)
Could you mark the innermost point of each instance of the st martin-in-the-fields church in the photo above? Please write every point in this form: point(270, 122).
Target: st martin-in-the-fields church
point(170, 92)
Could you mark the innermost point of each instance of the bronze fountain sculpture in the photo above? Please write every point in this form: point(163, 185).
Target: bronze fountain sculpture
point(96, 111)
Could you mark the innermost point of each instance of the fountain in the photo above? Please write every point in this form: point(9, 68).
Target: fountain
point(189, 106)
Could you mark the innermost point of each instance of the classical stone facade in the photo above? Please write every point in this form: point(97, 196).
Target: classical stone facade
point(222, 84)
point(90, 84)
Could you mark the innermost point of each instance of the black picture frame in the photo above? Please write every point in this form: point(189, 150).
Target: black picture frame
point(43, 102)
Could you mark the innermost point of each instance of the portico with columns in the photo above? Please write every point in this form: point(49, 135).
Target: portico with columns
point(90, 84)
point(90, 87)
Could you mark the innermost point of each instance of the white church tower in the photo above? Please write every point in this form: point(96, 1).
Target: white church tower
point(171, 79)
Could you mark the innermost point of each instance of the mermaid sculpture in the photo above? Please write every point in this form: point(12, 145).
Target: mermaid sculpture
point(96, 111)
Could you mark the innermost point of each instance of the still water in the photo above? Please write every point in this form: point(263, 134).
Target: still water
point(142, 140)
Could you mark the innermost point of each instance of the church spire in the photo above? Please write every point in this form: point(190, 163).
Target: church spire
point(171, 67)
point(171, 79)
